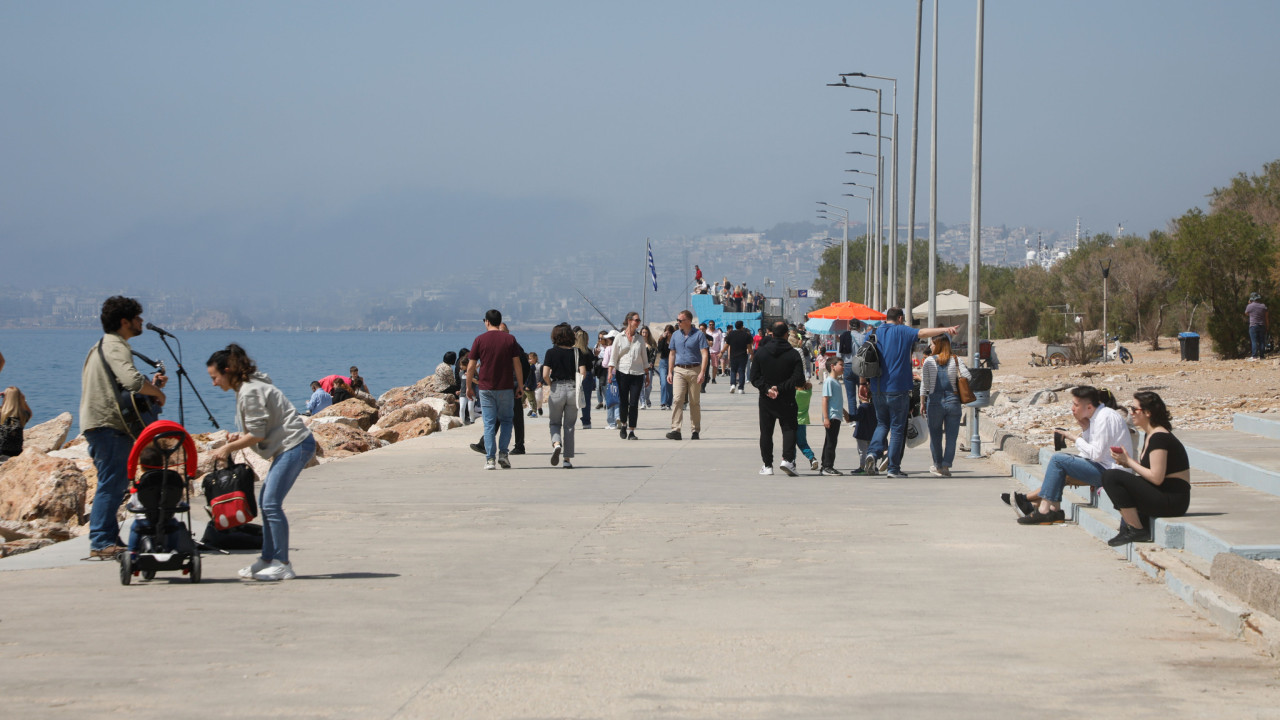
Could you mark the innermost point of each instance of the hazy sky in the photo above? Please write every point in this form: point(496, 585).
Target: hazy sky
point(285, 142)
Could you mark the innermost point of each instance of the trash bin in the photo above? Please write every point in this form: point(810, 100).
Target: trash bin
point(1189, 344)
point(980, 384)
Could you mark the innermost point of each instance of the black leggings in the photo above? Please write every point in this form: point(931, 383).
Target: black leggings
point(629, 387)
point(829, 445)
point(1127, 490)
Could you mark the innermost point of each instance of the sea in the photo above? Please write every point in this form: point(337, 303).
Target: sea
point(46, 365)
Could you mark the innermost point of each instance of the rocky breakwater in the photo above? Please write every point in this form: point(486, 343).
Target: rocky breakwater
point(47, 491)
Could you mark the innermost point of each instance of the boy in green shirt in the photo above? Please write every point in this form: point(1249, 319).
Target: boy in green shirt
point(803, 395)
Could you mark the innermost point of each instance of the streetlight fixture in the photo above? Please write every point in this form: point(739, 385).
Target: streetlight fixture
point(866, 263)
point(893, 202)
point(879, 261)
point(844, 252)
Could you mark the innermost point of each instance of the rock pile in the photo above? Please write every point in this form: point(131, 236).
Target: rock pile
point(47, 491)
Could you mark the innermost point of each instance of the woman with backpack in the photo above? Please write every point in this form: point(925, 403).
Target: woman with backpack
point(940, 402)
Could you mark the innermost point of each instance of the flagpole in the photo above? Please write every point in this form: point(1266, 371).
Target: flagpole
point(644, 287)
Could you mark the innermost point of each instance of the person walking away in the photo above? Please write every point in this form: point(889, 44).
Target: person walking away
point(687, 370)
point(1160, 482)
point(1259, 321)
point(940, 403)
point(864, 423)
point(319, 399)
point(494, 372)
point(517, 412)
point(891, 391)
point(651, 357)
point(532, 383)
point(271, 426)
point(107, 367)
point(777, 373)
point(664, 349)
point(589, 382)
point(716, 337)
point(832, 412)
point(804, 395)
point(14, 416)
point(564, 367)
point(628, 364)
point(739, 347)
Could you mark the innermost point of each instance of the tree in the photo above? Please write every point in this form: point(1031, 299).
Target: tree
point(1143, 288)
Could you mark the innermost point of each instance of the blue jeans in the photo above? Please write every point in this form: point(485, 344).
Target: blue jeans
point(802, 441)
point(285, 469)
point(943, 417)
point(1258, 339)
point(891, 424)
point(1060, 466)
point(498, 409)
point(664, 393)
point(850, 386)
point(110, 452)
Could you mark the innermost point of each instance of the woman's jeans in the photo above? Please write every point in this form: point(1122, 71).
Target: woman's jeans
point(664, 391)
point(648, 388)
point(285, 469)
point(588, 387)
point(562, 415)
point(943, 416)
point(629, 387)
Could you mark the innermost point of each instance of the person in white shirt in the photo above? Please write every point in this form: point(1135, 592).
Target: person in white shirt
point(716, 337)
point(628, 362)
point(1102, 428)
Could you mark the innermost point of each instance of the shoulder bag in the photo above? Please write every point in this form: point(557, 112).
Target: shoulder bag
point(962, 386)
point(228, 491)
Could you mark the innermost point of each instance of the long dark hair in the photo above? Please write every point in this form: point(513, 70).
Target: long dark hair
point(233, 362)
point(1153, 405)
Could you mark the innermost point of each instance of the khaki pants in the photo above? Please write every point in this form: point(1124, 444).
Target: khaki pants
point(684, 383)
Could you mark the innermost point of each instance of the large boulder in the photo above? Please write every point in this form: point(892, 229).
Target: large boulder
point(427, 407)
point(34, 486)
point(449, 422)
point(417, 428)
point(364, 414)
point(47, 436)
point(337, 441)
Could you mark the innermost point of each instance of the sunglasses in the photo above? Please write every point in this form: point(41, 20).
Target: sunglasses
point(1133, 408)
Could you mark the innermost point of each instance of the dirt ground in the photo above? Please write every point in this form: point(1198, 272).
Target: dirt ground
point(1200, 395)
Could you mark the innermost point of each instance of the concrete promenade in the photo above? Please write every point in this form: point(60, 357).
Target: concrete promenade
point(655, 579)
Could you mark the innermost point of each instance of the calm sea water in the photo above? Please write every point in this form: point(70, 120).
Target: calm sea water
point(46, 364)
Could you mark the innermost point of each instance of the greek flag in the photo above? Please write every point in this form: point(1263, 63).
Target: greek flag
point(653, 272)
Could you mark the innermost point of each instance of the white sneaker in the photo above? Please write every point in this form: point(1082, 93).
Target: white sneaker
point(733, 390)
point(787, 468)
point(257, 566)
point(883, 463)
point(489, 464)
point(766, 470)
point(933, 470)
point(275, 571)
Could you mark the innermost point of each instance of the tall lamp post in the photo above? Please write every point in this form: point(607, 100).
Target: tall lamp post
point(880, 191)
point(975, 227)
point(867, 298)
point(844, 253)
point(893, 202)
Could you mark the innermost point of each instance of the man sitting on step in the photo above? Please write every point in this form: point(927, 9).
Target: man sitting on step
point(1102, 428)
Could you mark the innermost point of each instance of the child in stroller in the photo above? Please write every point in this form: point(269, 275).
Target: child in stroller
point(159, 540)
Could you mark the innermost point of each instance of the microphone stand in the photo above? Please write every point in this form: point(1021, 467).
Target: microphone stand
point(182, 373)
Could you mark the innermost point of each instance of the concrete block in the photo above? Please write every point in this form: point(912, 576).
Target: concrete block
point(1257, 425)
point(1255, 584)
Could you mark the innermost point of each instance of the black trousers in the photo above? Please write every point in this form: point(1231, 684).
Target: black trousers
point(829, 445)
point(629, 387)
point(783, 412)
point(1126, 490)
point(738, 371)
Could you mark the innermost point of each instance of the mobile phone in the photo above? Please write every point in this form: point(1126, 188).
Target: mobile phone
point(1117, 449)
point(1060, 429)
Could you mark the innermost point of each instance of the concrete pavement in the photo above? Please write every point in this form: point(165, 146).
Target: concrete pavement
point(656, 579)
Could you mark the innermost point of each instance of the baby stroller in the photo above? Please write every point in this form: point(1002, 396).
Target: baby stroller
point(159, 540)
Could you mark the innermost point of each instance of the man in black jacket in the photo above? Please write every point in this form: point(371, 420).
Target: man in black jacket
point(776, 371)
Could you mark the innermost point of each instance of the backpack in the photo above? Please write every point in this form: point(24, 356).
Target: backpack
point(866, 362)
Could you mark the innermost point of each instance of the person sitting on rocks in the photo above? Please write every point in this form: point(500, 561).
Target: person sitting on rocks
point(445, 380)
point(1160, 484)
point(341, 391)
point(14, 416)
point(319, 398)
point(1102, 428)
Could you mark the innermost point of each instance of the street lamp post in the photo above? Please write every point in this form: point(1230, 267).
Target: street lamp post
point(844, 253)
point(975, 227)
point(893, 202)
point(880, 182)
point(866, 267)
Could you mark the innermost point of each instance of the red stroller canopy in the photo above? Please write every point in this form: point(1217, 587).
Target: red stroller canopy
point(152, 431)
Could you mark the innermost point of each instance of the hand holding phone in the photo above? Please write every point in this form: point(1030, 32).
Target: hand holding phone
point(1117, 449)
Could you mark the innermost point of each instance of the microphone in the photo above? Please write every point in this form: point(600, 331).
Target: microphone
point(145, 359)
point(161, 331)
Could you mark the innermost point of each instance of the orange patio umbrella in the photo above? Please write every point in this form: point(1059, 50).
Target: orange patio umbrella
point(847, 311)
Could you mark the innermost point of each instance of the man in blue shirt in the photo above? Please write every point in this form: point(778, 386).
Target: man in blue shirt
point(891, 392)
point(686, 371)
point(319, 399)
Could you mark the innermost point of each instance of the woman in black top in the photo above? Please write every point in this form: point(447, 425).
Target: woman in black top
point(1161, 486)
point(664, 349)
point(563, 367)
point(14, 416)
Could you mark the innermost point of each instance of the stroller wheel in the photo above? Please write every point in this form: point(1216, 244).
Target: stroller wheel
point(195, 567)
point(148, 574)
point(126, 567)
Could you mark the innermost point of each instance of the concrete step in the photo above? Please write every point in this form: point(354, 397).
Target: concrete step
point(1224, 517)
point(1265, 425)
point(1242, 458)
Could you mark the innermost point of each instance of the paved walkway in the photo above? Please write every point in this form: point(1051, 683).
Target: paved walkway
point(656, 579)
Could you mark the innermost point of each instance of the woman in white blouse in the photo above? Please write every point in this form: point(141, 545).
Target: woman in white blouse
point(629, 362)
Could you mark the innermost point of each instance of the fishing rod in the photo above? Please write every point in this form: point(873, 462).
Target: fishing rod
point(599, 311)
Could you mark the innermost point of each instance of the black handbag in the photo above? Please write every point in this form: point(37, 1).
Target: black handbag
point(232, 478)
point(137, 410)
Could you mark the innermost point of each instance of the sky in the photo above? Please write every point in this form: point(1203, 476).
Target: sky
point(287, 143)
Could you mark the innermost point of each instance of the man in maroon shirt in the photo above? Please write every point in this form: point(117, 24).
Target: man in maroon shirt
point(498, 356)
